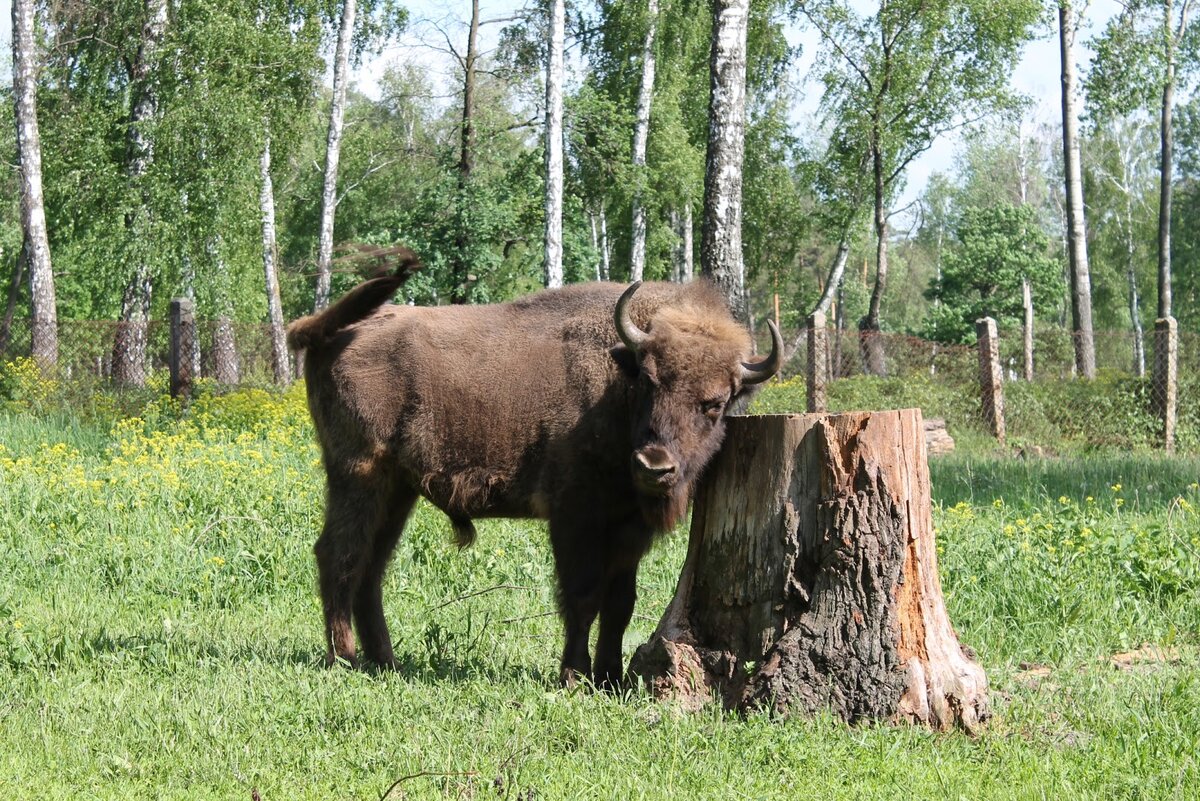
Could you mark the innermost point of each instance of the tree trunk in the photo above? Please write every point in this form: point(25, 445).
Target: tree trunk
point(605, 251)
point(1027, 329)
point(681, 261)
point(686, 247)
point(721, 236)
point(10, 306)
point(280, 360)
point(43, 307)
point(226, 364)
point(871, 343)
point(227, 368)
point(595, 245)
point(1166, 155)
point(460, 277)
point(1081, 282)
point(811, 579)
point(834, 283)
point(641, 133)
point(130, 341)
point(333, 151)
point(1135, 311)
point(554, 145)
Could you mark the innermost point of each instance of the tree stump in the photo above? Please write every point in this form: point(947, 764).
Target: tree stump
point(811, 579)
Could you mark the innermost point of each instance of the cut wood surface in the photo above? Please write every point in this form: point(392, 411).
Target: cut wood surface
point(811, 579)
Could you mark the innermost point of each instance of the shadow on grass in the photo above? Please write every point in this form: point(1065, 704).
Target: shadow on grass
point(168, 652)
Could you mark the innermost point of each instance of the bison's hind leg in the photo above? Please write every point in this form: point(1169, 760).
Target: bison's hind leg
point(368, 603)
point(359, 533)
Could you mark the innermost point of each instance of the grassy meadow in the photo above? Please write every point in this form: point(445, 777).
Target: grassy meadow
point(160, 635)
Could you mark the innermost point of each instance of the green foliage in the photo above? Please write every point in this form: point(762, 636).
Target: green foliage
point(997, 248)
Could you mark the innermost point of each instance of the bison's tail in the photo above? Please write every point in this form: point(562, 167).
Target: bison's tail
point(316, 329)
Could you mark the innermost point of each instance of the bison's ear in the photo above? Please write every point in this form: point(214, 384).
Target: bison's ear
point(626, 359)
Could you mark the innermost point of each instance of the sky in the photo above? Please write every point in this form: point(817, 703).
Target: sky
point(1037, 75)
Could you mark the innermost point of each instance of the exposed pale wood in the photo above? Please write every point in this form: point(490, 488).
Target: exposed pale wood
point(811, 579)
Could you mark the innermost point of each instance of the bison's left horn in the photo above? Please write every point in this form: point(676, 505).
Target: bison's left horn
point(757, 372)
point(630, 334)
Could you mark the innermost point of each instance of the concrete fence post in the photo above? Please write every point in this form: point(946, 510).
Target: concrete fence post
point(990, 379)
point(1166, 377)
point(818, 347)
point(183, 339)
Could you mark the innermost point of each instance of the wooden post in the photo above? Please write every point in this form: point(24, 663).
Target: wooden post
point(811, 579)
point(817, 348)
point(1166, 377)
point(183, 335)
point(990, 380)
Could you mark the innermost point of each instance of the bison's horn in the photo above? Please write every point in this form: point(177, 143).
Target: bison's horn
point(757, 372)
point(630, 334)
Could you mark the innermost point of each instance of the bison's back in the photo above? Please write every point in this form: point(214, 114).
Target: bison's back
point(484, 407)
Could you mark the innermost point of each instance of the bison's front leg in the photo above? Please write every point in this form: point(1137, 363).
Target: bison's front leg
point(620, 594)
point(577, 560)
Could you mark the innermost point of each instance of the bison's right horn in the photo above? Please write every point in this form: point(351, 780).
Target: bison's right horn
point(630, 334)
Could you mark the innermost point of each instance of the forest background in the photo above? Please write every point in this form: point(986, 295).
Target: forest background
point(161, 123)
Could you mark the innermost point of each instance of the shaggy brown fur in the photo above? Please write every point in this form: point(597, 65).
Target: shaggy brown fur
point(525, 409)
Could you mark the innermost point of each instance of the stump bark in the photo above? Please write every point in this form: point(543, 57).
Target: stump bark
point(811, 579)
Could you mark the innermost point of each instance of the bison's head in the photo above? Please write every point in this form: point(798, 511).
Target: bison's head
point(689, 368)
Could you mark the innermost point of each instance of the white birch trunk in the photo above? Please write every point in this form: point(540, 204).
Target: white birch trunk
point(721, 237)
point(1081, 282)
point(834, 283)
point(687, 248)
point(554, 146)
point(43, 306)
point(333, 149)
point(641, 133)
point(280, 360)
point(605, 250)
point(129, 347)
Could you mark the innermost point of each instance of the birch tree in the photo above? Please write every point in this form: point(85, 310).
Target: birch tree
point(898, 80)
point(721, 231)
point(333, 149)
point(1137, 67)
point(280, 359)
point(129, 347)
point(554, 144)
point(1080, 275)
point(641, 132)
point(36, 245)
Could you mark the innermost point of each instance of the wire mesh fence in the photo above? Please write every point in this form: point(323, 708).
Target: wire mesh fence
point(1119, 409)
point(86, 349)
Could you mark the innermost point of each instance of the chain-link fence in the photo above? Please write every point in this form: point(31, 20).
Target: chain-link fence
point(1119, 409)
point(242, 351)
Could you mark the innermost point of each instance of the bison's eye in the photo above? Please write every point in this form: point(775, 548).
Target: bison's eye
point(713, 408)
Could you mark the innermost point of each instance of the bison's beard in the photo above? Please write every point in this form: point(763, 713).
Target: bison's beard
point(662, 512)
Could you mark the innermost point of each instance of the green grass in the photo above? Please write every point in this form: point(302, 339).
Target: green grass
point(160, 638)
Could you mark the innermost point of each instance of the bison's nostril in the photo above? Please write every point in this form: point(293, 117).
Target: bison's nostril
point(655, 467)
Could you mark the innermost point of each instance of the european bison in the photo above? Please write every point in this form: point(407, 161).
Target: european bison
point(588, 406)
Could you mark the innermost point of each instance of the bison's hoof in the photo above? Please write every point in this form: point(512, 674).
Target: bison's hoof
point(337, 660)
